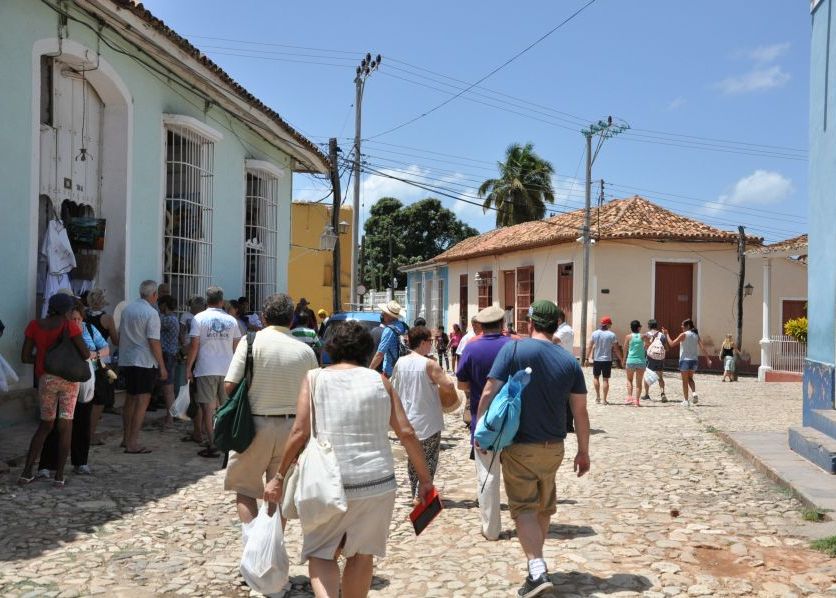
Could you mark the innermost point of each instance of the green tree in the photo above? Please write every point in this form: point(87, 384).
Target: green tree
point(398, 235)
point(522, 189)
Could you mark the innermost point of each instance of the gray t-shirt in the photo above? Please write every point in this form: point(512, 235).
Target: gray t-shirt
point(602, 342)
point(139, 322)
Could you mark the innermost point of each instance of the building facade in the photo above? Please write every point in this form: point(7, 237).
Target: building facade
point(153, 161)
point(427, 295)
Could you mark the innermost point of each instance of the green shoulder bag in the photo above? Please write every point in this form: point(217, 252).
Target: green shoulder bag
point(234, 427)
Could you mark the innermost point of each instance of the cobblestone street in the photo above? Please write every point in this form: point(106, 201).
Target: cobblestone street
point(667, 510)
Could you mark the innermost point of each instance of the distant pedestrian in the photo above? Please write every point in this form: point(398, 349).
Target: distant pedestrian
point(302, 309)
point(530, 464)
point(475, 330)
point(170, 343)
point(323, 320)
point(422, 385)
point(104, 396)
point(600, 350)
point(305, 331)
point(455, 338)
point(656, 338)
point(442, 341)
point(419, 322)
point(472, 375)
point(214, 337)
point(727, 352)
point(280, 363)
point(388, 351)
point(197, 304)
point(690, 346)
point(140, 361)
point(565, 336)
point(234, 310)
point(636, 362)
point(57, 397)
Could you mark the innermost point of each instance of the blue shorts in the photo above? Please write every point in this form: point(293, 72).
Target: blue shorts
point(688, 365)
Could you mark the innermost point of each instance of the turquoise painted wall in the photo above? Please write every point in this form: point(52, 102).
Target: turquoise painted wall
point(22, 23)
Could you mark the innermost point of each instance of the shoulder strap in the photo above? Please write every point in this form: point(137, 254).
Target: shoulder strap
point(312, 376)
point(248, 364)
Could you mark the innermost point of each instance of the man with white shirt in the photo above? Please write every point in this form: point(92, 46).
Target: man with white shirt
point(565, 336)
point(475, 330)
point(214, 337)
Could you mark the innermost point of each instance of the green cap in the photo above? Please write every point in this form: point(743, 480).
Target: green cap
point(543, 312)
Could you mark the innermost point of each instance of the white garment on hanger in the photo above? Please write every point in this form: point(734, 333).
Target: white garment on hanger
point(7, 375)
point(59, 253)
point(54, 282)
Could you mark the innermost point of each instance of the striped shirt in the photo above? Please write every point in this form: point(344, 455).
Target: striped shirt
point(279, 365)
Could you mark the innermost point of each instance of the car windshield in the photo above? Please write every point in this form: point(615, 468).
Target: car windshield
point(331, 326)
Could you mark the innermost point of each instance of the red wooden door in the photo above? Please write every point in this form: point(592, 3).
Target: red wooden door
point(509, 286)
point(674, 297)
point(565, 289)
point(791, 309)
point(463, 302)
point(525, 297)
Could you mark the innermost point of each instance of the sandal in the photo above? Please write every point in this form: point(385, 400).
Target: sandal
point(59, 484)
point(190, 438)
point(142, 451)
point(209, 453)
point(24, 481)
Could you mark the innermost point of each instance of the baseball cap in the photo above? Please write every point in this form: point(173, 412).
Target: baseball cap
point(606, 321)
point(543, 312)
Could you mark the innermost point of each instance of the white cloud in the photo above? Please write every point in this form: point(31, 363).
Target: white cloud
point(762, 187)
point(766, 54)
point(758, 79)
point(676, 103)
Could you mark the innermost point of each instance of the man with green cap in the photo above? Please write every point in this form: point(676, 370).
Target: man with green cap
point(529, 464)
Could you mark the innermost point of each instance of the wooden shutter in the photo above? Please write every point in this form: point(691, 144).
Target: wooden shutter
point(525, 297)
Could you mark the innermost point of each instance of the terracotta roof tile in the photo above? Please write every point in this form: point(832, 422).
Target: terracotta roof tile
point(795, 246)
point(181, 42)
point(631, 218)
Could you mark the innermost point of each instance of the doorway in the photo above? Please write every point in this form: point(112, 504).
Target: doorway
point(565, 289)
point(674, 297)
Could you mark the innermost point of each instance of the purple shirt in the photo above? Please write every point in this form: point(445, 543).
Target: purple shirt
point(475, 364)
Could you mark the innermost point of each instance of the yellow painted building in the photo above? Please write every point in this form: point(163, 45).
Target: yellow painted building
point(309, 268)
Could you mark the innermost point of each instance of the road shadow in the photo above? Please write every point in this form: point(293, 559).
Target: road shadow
point(577, 582)
point(563, 531)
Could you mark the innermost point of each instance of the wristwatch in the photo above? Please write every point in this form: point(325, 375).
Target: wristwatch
point(278, 477)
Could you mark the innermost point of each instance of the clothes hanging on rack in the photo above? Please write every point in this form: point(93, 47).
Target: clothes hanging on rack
point(7, 375)
point(60, 260)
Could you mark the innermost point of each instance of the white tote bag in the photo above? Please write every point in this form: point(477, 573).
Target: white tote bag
point(264, 562)
point(181, 403)
point(319, 490)
point(651, 377)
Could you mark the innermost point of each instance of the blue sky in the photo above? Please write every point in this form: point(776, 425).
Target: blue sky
point(715, 93)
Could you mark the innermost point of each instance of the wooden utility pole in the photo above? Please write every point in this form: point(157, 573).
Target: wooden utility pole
point(336, 299)
point(741, 280)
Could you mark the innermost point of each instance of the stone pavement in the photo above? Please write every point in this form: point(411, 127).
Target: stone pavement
point(667, 510)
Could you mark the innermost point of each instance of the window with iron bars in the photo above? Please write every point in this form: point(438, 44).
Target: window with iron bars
point(187, 240)
point(261, 236)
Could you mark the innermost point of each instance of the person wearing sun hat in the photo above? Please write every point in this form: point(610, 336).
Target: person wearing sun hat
point(388, 350)
point(323, 319)
point(530, 463)
point(599, 350)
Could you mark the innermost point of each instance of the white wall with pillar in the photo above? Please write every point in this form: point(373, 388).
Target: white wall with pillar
point(765, 341)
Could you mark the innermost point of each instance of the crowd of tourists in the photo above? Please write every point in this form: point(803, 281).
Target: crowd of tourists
point(388, 378)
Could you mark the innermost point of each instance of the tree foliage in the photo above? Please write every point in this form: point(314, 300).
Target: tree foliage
point(417, 232)
point(522, 189)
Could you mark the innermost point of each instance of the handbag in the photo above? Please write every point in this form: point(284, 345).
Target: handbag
point(656, 350)
point(64, 361)
point(233, 424)
point(319, 492)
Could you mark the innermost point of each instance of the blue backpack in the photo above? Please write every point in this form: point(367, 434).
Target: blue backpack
point(497, 427)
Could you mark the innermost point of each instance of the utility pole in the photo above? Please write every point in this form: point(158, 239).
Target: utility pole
point(603, 130)
point(336, 299)
point(366, 68)
point(741, 280)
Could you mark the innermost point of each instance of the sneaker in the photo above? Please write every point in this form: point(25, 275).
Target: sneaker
point(695, 399)
point(535, 587)
point(664, 398)
point(686, 403)
point(83, 470)
point(44, 474)
point(646, 398)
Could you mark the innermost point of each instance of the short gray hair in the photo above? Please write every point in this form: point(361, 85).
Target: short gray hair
point(214, 295)
point(278, 309)
point(147, 288)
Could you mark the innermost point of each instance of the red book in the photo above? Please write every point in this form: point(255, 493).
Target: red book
point(423, 514)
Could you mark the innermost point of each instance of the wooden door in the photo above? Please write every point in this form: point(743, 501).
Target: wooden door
point(565, 289)
point(674, 297)
point(485, 290)
point(525, 297)
point(791, 309)
point(463, 299)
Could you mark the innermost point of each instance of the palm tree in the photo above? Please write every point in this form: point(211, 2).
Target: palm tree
point(522, 189)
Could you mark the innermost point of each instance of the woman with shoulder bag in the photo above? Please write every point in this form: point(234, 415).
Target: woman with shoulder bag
point(104, 395)
point(350, 410)
point(57, 395)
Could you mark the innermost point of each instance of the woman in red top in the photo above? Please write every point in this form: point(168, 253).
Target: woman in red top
point(56, 395)
point(455, 338)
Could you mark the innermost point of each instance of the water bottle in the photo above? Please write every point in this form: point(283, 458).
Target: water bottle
point(519, 381)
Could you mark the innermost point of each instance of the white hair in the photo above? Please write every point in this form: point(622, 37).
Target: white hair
point(147, 288)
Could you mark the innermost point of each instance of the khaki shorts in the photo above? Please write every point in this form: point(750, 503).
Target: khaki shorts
point(245, 471)
point(209, 389)
point(528, 471)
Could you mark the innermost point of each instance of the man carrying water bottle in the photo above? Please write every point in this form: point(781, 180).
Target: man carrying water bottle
point(529, 464)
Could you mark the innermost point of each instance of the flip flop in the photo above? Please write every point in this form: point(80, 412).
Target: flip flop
point(209, 453)
point(24, 481)
point(59, 484)
point(190, 438)
point(142, 451)
point(97, 443)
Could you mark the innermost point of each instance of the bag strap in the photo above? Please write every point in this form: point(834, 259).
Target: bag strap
point(248, 363)
point(312, 376)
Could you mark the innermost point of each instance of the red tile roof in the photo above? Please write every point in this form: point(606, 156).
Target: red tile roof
point(796, 246)
point(631, 218)
point(182, 43)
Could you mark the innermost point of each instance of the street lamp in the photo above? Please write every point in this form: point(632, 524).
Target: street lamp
point(328, 239)
point(748, 289)
point(343, 227)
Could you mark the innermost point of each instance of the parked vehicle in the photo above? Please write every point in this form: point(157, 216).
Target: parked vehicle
point(369, 319)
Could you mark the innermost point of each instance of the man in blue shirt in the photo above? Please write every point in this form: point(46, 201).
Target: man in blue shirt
point(529, 464)
point(472, 373)
point(388, 350)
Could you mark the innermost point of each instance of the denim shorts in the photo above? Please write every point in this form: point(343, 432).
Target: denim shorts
point(687, 365)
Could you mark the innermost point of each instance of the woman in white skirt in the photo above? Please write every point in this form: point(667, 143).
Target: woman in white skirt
point(355, 408)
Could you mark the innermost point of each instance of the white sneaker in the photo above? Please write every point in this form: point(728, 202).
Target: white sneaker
point(84, 470)
point(44, 473)
point(685, 403)
point(695, 399)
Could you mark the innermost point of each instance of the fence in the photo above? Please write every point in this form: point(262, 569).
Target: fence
point(373, 298)
point(786, 353)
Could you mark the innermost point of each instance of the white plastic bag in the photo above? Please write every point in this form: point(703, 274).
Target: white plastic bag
point(264, 561)
point(651, 377)
point(181, 403)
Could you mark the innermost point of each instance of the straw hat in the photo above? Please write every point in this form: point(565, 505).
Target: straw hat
point(393, 308)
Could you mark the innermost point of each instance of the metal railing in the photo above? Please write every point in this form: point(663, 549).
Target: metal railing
point(786, 353)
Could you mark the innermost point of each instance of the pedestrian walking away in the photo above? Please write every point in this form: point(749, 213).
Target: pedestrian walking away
point(140, 361)
point(388, 351)
point(727, 355)
point(423, 388)
point(353, 408)
point(565, 336)
point(530, 464)
point(280, 363)
point(472, 375)
point(442, 342)
point(57, 396)
point(690, 347)
point(214, 337)
point(636, 362)
point(600, 350)
point(657, 347)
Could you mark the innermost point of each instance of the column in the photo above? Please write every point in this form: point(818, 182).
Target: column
point(766, 364)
